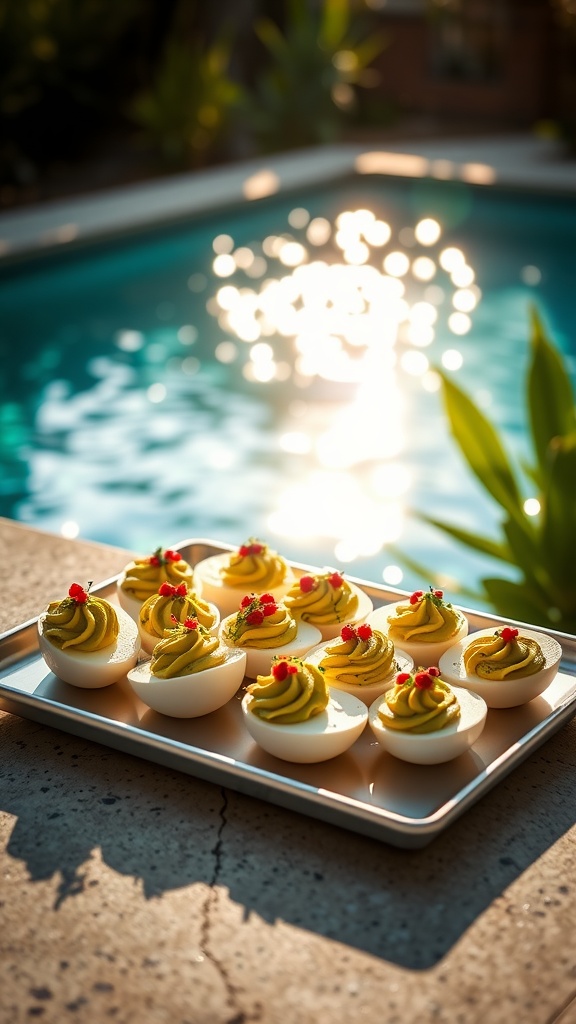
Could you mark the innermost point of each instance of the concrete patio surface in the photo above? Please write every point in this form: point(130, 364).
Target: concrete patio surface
point(135, 893)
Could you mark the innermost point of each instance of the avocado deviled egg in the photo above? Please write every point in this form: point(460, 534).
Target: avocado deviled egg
point(424, 720)
point(190, 673)
point(292, 714)
point(506, 666)
point(86, 641)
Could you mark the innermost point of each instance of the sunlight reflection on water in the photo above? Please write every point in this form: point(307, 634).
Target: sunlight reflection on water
point(281, 388)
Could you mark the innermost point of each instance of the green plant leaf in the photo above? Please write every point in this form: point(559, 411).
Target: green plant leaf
point(514, 601)
point(558, 533)
point(493, 548)
point(482, 448)
point(334, 24)
point(549, 395)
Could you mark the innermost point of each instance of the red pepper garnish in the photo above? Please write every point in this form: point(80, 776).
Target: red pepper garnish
point(167, 589)
point(78, 594)
point(307, 583)
point(364, 631)
point(423, 680)
point(283, 668)
point(508, 634)
point(250, 549)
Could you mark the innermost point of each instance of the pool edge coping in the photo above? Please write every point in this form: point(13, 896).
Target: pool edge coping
point(519, 161)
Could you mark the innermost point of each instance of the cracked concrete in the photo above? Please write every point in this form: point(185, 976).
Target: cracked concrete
point(134, 893)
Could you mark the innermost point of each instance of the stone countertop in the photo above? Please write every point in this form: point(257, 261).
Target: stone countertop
point(134, 893)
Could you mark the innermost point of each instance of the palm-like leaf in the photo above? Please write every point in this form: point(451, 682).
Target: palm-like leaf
point(543, 550)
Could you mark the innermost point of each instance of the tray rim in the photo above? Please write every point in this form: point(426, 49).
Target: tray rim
point(335, 808)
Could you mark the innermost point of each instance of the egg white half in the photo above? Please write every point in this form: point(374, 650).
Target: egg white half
point(424, 653)
point(259, 661)
point(330, 630)
point(503, 693)
point(434, 747)
point(193, 695)
point(324, 736)
point(369, 692)
point(93, 669)
point(209, 584)
point(130, 604)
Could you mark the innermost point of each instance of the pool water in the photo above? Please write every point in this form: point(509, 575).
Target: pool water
point(267, 371)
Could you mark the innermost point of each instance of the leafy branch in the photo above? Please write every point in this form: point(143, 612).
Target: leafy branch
point(540, 548)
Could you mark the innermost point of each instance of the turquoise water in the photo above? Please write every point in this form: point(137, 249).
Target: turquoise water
point(148, 395)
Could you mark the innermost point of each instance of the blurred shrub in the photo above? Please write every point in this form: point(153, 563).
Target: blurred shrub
point(61, 62)
point(539, 550)
point(305, 90)
point(185, 114)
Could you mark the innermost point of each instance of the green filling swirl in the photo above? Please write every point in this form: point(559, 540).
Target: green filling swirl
point(296, 698)
point(184, 651)
point(491, 657)
point(89, 626)
point(407, 708)
point(359, 662)
point(324, 604)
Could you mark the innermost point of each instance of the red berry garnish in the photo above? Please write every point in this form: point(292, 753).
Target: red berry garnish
point(415, 597)
point(335, 580)
point(364, 631)
point(172, 556)
point(269, 609)
point(190, 623)
point(280, 670)
point(78, 593)
point(166, 589)
point(247, 600)
point(423, 680)
point(307, 583)
point(267, 599)
point(347, 633)
point(439, 594)
point(402, 678)
point(181, 590)
point(508, 634)
point(255, 618)
point(250, 549)
point(154, 560)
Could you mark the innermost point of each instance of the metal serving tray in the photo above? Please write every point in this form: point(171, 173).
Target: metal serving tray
point(365, 790)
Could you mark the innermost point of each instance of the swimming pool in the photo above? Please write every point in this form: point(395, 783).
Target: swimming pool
point(265, 369)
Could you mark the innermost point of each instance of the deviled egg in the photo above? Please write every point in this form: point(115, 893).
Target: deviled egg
point(423, 625)
point(173, 603)
point(506, 666)
point(223, 579)
point(328, 601)
point(141, 578)
point(86, 641)
point(424, 720)
point(263, 628)
point(190, 673)
point(291, 714)
point(362, 661)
